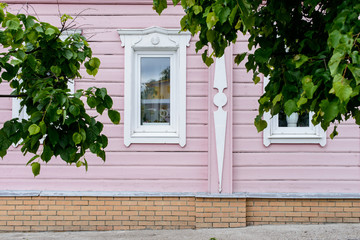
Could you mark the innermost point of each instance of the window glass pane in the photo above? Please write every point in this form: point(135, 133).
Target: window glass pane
point(303, 120)
point(155, 90)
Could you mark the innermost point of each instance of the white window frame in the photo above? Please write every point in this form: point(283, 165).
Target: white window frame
point(154, 42)
point(291, 135)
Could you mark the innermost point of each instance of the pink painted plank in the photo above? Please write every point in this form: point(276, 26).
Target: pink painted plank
point(112, 172)
point(274, 173)
point(124, 2)
point(339, 145)
point(117, 22)
point(296, 159)
point(95, 10)
point(247, 89)
point(107, 48)
point(175, 159)
point(245, 131)
point(297, 186)
point(240, 47)
point(244, 117)
point(348, 130)
point(245, 103)
point(5, 88)
point(105, 185)
point(104, 75)
point(192, 145)
point(242, 76)
point(6, 104)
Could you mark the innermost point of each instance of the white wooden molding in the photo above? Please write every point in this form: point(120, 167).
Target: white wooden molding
point(291, 135)
point(154, 41)
point(220, 116)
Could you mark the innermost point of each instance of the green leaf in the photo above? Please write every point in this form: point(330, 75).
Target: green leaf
point(35, 166)
point(47, 153)
point(260, 124)
point(34, 129)
point(74, 110)
point(342, 90)
point(3, 153)
point(77, 138)
point(334, 62)
point(91, 101)
point(114, 116)
point(211, 35)
point(197, 9)
point(223, 15)
point(301, 102)
point(233, 14)
point(56, 70)
point(334, 133)
point(68, 54)
point(256, 79)
point(53, 136)
point(175, 2)
point(50, 31)
point(83, 134)
point(190, 3)
point(100, 108)
point(290, 107)
point(42, 126)
point(240, 57)
point(334, 38)
point(94, 62)
point(211, 20)
point(13, 24)
point(331, 111)
point(32, 159)
point(160, 5)
point(262, 55)
point(92, 72)
point(101, 93)
point(355, 70)
point(277, 98)
point(108, 102)
point(300, 60)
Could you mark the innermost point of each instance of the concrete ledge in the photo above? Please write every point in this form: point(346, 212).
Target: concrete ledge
point(9, 193)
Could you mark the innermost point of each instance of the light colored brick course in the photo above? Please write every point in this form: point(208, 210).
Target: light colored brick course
point(127, 213)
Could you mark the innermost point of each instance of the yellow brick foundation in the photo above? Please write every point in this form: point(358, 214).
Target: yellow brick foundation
point(130, 213)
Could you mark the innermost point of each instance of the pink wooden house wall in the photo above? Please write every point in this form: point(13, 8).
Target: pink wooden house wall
point(168, 168)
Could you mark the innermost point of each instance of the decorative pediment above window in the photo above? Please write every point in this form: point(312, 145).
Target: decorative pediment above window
point(154, 38)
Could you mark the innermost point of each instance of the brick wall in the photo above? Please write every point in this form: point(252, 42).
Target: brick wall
point(315, 211)
point(118, 213)
point(129, 213)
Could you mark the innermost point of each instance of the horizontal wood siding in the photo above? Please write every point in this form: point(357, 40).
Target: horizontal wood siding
point(287, 167)
point(140, 167)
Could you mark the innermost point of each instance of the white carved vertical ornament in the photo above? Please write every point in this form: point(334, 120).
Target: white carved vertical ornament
point(220, 116)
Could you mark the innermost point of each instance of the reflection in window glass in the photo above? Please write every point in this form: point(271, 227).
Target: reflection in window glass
point(303, 120)
point(155, 90)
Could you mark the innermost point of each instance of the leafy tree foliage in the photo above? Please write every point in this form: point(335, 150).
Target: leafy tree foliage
point(39, 65)
point(308, 49)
